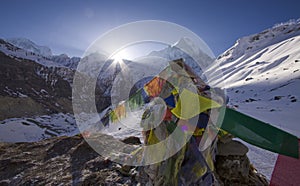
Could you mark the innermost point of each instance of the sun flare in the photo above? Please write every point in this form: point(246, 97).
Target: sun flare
point(120, 55)
point(118, 58)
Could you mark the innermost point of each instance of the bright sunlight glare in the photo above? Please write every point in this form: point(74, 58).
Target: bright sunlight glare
point(119, 56)
point(137, 50)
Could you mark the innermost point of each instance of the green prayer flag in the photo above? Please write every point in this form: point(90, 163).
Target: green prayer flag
point(258, 133)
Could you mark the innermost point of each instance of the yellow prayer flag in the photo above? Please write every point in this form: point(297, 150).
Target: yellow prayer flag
point(191, 104)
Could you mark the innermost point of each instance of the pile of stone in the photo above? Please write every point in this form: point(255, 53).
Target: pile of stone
point(233, 166)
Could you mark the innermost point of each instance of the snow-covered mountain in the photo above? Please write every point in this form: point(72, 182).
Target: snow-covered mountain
point(65, 60)
point(261, 74)
point(19, 54)
point(30, 46)
point(30, 89)
point(175, 52)
point(26, 49)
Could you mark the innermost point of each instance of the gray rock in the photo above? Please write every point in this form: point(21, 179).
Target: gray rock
point(234, 148)
point(132, 140)
point(233, 166)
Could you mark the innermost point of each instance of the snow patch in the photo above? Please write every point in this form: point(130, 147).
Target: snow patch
point(29, 129)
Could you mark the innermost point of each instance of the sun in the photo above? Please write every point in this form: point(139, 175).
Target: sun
point(117, 59)
point(124, 53)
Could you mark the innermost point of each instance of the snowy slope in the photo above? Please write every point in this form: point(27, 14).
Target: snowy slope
point(265, 80)
point(26, 49)
point(30, 46)
point(261, 74)
point(65, 60)
point(19, 54)
point(36, 128)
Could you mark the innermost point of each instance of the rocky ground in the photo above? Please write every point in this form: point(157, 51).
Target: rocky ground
point(71, 161)
point(58, 161)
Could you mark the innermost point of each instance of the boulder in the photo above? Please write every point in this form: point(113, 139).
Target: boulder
point(233, 166)
point(233, 148)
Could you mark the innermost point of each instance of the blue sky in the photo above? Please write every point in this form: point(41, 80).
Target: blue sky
point(71, 26)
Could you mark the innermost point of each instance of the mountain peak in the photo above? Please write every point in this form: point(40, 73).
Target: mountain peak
point(30, 46)
point(184, 42)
